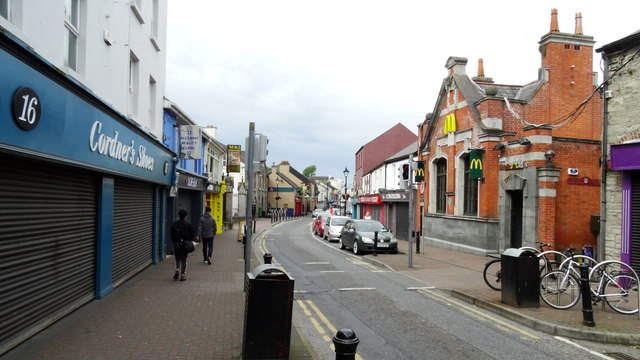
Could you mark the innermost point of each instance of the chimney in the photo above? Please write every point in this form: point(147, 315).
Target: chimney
point(480, 68)
point(554, 21)
point(578, 23)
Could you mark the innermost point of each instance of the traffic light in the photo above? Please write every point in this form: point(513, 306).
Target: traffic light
point(419, 172)
point(405, 172)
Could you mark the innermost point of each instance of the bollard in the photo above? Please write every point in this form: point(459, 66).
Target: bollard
point(375, 243)
point(585, 289)
point(417, 234)
point(267, 258)
point(345, 343)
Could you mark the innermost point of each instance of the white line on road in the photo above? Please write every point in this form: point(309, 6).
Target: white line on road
point(317, 263)
point(332, 271)
point(356, 289)
point(421, 288)
point(583, 348)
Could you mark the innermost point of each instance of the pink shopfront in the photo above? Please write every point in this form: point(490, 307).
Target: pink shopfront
point(371, 206)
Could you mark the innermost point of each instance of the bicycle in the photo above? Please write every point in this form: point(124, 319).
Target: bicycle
point(492, 273)
point(560, 289)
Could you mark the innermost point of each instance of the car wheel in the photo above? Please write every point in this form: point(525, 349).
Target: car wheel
point(356, 250)
point(342, 247)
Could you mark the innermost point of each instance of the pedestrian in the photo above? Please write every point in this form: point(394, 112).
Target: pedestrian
point(181, 230)
point(207, 231)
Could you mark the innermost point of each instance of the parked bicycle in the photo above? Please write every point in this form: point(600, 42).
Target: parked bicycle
point(492, 273)
point(560, 289)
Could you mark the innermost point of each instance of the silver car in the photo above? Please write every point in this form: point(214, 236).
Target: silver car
point(333, 226)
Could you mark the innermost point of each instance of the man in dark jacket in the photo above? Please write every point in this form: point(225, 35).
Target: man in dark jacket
point(207, 231)
point(181, 230)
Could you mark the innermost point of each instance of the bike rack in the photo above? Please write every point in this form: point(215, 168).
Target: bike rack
point(574, 257)
point(604, 264)
point(545, 253)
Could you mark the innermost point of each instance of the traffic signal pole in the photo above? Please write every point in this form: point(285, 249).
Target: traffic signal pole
point(411, 225)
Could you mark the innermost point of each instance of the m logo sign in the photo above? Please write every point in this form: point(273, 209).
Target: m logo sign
point(419, 172)
point(475, 164)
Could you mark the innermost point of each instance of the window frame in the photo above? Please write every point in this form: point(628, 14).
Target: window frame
point(470, 193)
point(72, 34)
point(441, 186)
point(6, 6)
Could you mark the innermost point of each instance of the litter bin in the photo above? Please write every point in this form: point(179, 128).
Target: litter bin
point(587, 250)
point(267, 320)
point(520, 278)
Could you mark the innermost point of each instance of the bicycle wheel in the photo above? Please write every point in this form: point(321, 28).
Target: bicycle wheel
point(548, 267)
point(492, 274)
point(559, 289)
point(621, 293)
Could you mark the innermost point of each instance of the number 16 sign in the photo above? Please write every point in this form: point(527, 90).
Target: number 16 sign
point(26, 108)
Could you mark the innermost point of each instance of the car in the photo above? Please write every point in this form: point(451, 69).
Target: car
point(333, 227)
point(315, 213)
point(318, 225)
point(358, 234)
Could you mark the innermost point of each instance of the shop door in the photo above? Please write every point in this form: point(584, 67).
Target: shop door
point(516, 218)
point(132, 228)
point(402, 221)
point(47, 245)
point(635, 221)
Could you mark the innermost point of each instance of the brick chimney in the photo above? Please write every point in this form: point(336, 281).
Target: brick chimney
point(481, 78)
point(578, 23)
point(554, 21)
point(480, 68)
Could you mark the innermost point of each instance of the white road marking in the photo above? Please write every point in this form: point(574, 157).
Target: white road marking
point(332, 271)
point(356, 289)
point(317, 263)
point(421, 288)
point(583, 348)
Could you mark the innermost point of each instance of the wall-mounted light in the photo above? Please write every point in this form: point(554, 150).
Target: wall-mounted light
point(500, 146)
point(524, 141)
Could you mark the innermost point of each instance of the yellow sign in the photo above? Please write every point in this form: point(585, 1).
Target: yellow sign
point(450, 123)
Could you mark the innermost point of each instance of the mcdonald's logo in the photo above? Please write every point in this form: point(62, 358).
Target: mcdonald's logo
point(419, 174)
point(476, 164)
point(449, 123)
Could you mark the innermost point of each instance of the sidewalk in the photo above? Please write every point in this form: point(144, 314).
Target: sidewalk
point(152, 316)
point(461, 275)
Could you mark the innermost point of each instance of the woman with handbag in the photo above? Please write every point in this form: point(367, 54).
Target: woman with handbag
point(181, 231)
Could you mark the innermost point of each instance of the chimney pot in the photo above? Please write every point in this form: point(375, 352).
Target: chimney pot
point(554, 21)
point(579, 24)
point(480, 68)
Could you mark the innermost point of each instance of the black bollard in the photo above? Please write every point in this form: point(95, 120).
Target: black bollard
point(345, 343)
point(267, 258)
point(375, 243)
point(585, 289)
point(417, 234)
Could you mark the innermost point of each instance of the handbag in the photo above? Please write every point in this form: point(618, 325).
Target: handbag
point(187, 246)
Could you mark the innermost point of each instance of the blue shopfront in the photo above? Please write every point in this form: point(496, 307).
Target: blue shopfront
point(82, 195)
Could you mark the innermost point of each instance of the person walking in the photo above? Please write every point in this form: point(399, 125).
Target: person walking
point(181, 230)
point(207, 231)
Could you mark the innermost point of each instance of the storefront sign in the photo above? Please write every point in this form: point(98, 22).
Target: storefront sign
point(395, 197)
point(112, 147)
point(583, 181)
point(233, 158)
point(370, 199)
point(190, 142)
point(190, 182)
point(625, 156)
point(26, 108)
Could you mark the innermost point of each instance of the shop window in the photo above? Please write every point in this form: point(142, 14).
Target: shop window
point(470, 190)
point(441, 186)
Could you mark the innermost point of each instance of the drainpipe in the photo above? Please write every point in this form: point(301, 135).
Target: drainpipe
point(600, 245)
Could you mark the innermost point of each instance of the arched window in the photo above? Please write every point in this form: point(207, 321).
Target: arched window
point(441, 186)
point(470, 189)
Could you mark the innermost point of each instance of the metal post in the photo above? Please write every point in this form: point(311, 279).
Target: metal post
point(267, 258)
point(585, 289)
point(375, 243)
point(410, 190)
point(345, 343)
point(249, 216)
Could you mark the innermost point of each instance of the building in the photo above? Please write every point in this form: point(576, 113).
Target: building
point(620, 227)
point(369, 157)
point(214, 170)
point(84, 173)
point(287, 189)
point(511, 165)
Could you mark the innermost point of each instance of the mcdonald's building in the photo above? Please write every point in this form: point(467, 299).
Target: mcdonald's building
point(503, 163)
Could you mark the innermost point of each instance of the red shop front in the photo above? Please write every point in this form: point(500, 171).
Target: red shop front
point(371, 207)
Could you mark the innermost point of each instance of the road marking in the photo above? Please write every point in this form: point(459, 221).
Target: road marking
point(477, 313)
point(317, 263)
point(300, 292)
point(323, 318)
point(421, 288)
point(583, 348)
point(332, 271)
point(356, 289)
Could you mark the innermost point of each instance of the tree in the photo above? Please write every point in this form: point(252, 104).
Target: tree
point(309, 171)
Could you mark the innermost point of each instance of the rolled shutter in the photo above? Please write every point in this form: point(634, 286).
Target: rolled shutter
point(635, 221)
point(47, 245)
point(132, 228)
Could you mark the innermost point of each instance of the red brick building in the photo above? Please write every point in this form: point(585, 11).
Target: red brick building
point(538, 146)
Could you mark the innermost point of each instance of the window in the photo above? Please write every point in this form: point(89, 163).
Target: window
point(71, 15)
point(152, 103)
point(576, 47)
point(133, 85)
point(470, 189)
point(441, 186)
point(4, 9)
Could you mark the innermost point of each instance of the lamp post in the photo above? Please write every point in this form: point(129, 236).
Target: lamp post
point(346, 174)
point(277, 191)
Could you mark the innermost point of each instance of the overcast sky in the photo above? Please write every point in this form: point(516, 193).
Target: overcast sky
point(323, 78)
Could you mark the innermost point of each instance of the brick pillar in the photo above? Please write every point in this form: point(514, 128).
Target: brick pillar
point(548, 177)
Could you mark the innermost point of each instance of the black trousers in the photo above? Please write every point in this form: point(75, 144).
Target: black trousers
point(207, 247)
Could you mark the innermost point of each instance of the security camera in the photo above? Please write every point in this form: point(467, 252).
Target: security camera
point(572, 171)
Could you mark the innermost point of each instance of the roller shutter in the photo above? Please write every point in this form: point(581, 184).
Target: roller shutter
point(132, 228)
point(47, 245)
point(635, 221)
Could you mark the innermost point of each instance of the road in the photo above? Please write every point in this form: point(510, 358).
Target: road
point(394, 316)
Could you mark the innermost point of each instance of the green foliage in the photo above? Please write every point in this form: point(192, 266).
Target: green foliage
point(309, 171)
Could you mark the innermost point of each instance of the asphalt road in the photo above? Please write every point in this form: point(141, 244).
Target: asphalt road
point(394, 316)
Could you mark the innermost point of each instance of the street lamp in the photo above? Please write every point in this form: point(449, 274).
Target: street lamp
point(277, 191)
point(346, 173)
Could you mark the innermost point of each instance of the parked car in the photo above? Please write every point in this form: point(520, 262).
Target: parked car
point(315, 213)
point(333, 227)
point(318, 225)
point(358, 235)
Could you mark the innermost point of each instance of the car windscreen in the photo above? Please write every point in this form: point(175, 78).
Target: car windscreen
point(338, 221)
point(371, 226)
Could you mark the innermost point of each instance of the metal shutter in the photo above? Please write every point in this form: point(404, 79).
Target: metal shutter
point(47, 245)
point(132, 228)
point(635, 221)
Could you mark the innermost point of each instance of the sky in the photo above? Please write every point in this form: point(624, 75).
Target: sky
point(322, 78)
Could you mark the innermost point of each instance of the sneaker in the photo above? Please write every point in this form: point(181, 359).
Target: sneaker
point(209, 261)
point(183, 278)
point(176, 275)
